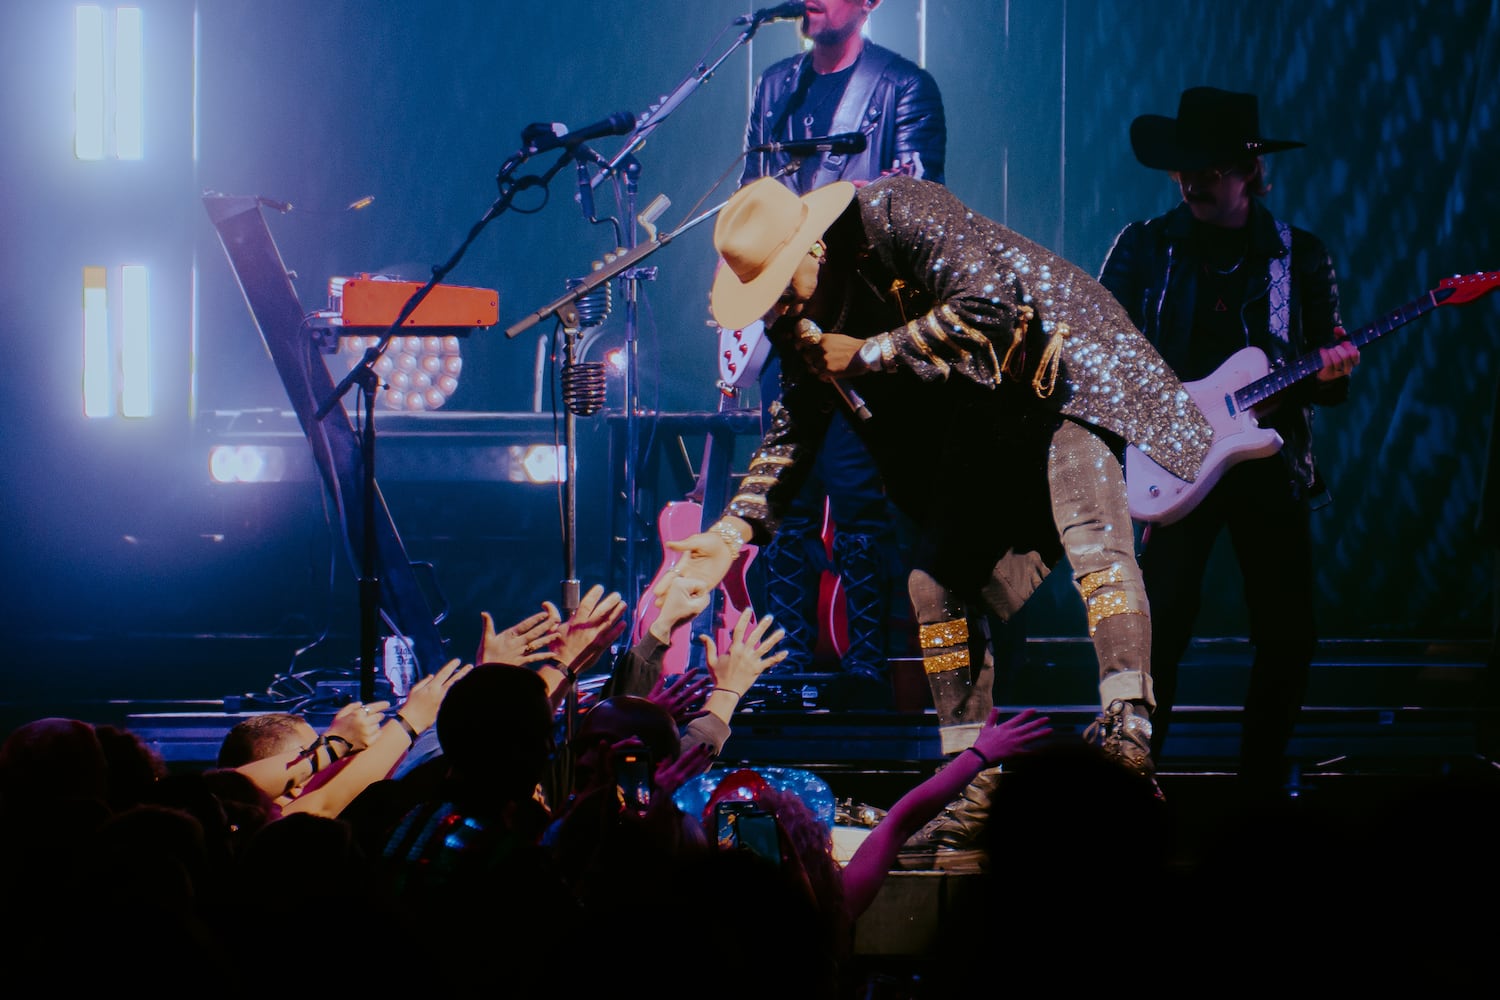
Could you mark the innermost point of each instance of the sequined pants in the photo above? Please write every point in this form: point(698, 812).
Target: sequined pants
point(1086, 489)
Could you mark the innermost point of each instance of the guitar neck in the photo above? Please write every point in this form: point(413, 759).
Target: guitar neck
point(1310, 364)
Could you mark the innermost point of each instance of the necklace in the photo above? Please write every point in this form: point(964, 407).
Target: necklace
point(1226, 270)
point(830, 89)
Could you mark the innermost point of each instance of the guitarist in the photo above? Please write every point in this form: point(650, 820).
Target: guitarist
point(1216, 274)
point(842, 84)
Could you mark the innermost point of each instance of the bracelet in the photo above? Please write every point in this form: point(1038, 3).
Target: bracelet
point(328, 741)
point(983, 759)
point(737, 694)
point(870, 354)
point(411, 733)
point(731, 536)
point(310, 752)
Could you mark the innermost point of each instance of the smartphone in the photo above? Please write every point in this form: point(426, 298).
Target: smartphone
point(758, 834)
point(633, 779)
point(744, 825)
point(727, 821)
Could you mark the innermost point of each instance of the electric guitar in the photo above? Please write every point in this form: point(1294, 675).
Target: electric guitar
point(742, 354)
point(1229, 397)
point(680, 519)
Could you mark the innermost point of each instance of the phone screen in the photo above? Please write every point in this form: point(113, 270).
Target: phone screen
point(633, 780)
point(739, 824)
point(727, 821)
point(758, 834)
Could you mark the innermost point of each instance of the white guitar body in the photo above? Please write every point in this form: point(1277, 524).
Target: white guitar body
point(1157, 496)
point(742, 354)
point(1229, 396)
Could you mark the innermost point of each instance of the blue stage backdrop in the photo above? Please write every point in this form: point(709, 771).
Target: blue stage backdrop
point(384, 126)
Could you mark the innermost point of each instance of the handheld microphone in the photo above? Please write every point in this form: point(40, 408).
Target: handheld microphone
point(843, 142)
point(781, 12)
point(542, 136)
point(807, 329)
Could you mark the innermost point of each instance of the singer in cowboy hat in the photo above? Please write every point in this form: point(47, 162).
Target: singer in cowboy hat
point(1001, 382)
point(1216, 275)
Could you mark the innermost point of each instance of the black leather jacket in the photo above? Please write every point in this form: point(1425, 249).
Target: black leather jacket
point(1153, 270)
point(891, 99)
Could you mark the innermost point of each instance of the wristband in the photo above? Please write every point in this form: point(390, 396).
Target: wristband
point(310, 752)
point(328, 741)
point(982, 758)
point(411, 733)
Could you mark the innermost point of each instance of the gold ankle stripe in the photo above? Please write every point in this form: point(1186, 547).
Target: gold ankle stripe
point(1103, 578)
point(943, 662)
point(1108, 606)
point(954, 632)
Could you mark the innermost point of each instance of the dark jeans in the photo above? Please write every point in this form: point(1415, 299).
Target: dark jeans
point(1268, 525)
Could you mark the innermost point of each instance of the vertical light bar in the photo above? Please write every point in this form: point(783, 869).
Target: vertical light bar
point(135, 341)
point(88, 83)
point(129, 86)
point(197, 46)
point(98, 391)
point(193, 347)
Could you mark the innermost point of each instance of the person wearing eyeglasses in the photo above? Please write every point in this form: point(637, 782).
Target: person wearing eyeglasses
point(1215, 275)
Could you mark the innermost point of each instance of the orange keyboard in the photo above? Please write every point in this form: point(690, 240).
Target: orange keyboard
point(369, 301)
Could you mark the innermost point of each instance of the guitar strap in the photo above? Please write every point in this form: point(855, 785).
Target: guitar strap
point(1281, 286)
point(849, 116)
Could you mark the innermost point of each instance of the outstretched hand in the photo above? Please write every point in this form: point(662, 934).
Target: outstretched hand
point(678, 693)
point(358, 723)
point(684, 599)
point(704, 557)
point(598, 621)
point(420, 709)
point(1016, 735)
point(751, 653)
point(527, 641)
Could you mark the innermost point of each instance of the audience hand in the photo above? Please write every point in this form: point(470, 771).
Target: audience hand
point(671, 775)
point(524, 642)
point(358, 723)
point(706, 556)
point(583, 638)
point(1013, 736)
point(426, 696)
point(684, 599)
point(749, 655)
point(679, 693)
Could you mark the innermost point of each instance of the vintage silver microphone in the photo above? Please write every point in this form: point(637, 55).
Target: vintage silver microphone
point(585, 385)
point(810, 331)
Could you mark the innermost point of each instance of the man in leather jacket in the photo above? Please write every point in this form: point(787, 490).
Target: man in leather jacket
point(1213, 276)
point(844, 84)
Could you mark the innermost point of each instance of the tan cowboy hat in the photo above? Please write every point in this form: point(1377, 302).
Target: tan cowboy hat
point(763, 232)
point(1213, 127)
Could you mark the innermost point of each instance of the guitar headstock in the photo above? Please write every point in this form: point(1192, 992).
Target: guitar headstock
point(1467, 287)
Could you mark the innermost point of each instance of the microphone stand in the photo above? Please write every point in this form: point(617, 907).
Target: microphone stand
point(365, 376)
point(624, 162)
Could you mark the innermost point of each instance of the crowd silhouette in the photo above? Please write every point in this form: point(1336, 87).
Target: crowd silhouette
point(455, 842)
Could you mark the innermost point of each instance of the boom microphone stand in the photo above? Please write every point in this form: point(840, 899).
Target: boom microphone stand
point(368, 379)
point(623, 162)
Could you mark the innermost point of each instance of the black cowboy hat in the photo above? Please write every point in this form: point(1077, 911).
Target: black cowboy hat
point(1213, 127)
